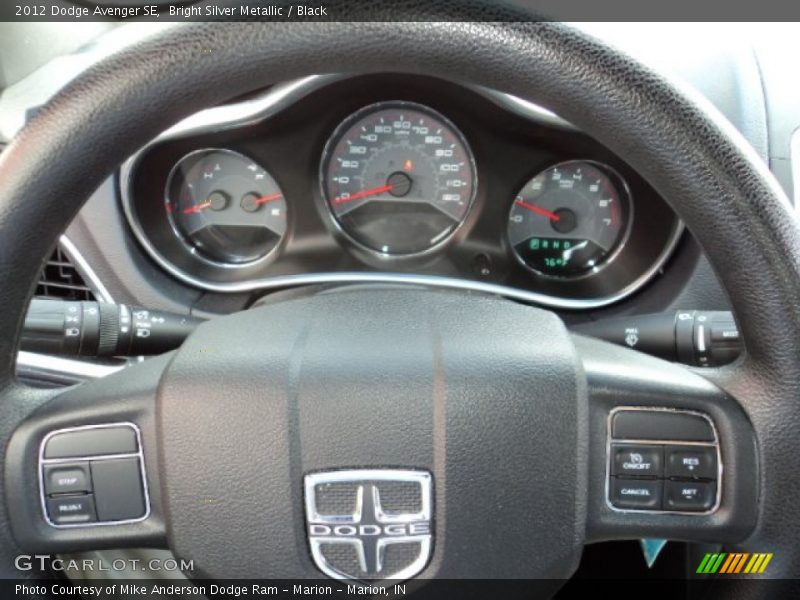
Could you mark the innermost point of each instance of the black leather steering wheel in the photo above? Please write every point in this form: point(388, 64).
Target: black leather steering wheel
point(498, 402)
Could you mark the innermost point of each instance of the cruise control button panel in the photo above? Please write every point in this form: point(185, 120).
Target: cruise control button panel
point(650, 470)
point(93, 475)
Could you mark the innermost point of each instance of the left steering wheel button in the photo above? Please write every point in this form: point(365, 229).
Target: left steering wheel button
point(67, 479)
point(67, 510)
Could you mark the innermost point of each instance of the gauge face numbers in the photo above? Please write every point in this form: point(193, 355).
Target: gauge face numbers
point(224, 207)
point(569, 220)
point(398, 178)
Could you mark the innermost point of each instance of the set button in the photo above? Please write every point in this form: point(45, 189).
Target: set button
point(689, 495)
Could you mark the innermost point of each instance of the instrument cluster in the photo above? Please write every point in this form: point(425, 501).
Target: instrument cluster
point(382, 178)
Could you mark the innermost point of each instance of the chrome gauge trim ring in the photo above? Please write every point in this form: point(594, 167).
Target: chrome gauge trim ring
point(280, 97)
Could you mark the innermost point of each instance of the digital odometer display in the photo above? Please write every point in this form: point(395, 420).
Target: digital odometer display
point(398, 178)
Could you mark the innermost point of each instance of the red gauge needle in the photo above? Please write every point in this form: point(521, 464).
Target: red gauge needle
point(537, 209)
point(363, 194)
point(196, 208)
point(268, 198)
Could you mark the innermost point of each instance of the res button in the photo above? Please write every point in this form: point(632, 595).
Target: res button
point(692, 462)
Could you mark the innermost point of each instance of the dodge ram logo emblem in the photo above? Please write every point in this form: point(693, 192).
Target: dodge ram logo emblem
point(369, 524)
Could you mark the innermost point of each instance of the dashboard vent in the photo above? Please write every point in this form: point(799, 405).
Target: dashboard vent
point(60, 279)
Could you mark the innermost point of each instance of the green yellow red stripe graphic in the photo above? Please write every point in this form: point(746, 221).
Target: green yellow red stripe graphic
point(734, 562)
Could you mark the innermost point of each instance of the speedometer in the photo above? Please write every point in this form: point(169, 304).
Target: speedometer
point(398, 178)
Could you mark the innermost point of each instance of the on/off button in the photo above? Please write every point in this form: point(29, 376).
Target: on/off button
point(638, 461)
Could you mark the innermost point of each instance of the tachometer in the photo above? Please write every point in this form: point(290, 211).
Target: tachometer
point(398, 178)
point(570, 219)
point(224, 207)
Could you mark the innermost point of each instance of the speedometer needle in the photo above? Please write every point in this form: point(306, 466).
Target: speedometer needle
point(537, 209)
point(363, 194)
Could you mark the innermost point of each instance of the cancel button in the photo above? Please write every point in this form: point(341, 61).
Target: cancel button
point(642, 494)
point(638, 461)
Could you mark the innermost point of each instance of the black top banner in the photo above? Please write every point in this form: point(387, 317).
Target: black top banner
point(401, 10)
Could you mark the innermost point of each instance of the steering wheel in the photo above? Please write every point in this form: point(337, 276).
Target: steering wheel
point(504, 414)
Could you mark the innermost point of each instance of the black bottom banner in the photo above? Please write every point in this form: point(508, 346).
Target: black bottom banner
point(416, 589)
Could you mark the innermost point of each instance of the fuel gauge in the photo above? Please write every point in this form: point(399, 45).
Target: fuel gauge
point(225, 208)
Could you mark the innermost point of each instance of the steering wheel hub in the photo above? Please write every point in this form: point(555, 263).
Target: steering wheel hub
point(431, 429)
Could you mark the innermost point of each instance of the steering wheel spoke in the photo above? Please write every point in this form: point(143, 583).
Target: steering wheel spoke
point(671, 455)
point(81, 469)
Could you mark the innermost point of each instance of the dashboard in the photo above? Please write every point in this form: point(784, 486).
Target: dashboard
point(391, 177)
point(123, 245)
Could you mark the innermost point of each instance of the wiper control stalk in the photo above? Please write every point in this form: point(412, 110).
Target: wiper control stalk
point(692, 337)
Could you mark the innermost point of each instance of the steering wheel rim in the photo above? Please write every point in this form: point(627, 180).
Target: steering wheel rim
point(695, 159)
